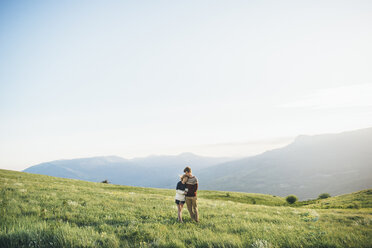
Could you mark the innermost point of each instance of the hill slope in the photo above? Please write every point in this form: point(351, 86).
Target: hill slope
point(43, 211)
point(332, 163)
point(361, 199)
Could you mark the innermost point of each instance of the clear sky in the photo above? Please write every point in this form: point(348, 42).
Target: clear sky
point(216, 78)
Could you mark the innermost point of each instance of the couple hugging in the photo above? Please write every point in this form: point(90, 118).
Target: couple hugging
point(186, 192)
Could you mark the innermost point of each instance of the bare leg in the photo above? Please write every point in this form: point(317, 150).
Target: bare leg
point(179, 212)
point(180, 207)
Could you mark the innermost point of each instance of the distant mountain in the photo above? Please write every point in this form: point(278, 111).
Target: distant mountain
point(151, 171)
point(332, 163)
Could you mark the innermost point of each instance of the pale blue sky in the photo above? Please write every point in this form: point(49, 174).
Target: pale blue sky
point(217, 78)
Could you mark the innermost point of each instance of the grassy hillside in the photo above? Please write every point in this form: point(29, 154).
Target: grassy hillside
point(42, 211)
point(361, 199)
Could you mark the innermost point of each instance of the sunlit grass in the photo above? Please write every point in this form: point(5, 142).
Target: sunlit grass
point(42, 211)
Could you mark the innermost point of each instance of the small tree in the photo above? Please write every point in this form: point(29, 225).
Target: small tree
point(291, 199)
point(324, 196)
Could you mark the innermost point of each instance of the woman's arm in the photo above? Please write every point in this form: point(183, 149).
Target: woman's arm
point(181, 192)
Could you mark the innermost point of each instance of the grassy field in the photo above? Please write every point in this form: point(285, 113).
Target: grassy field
point(42, 211)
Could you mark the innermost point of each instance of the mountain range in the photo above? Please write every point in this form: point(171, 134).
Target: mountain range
point(333, 163)
point(151, 171)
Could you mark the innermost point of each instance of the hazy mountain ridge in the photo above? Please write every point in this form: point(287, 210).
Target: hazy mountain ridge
point(334, 163)
point(151, 171)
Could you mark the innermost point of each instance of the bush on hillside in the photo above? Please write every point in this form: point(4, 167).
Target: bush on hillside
point(291, 199)
point(324, 196)
point(105, 181)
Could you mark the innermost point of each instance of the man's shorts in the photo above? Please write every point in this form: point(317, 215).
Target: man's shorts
point(180, 202)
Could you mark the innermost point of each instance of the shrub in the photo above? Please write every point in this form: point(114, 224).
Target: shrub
point(105, 181)
point(324, 196)
point(291, 199)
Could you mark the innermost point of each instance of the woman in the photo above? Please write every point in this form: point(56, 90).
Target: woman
point(181, 191)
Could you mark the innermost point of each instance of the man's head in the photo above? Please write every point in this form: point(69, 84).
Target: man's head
point(187, 171)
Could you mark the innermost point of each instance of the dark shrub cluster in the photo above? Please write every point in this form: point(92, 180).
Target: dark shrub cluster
point(291, 199)
point(324, 196)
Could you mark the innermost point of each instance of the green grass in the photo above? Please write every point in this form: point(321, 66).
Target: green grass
point(42, 211)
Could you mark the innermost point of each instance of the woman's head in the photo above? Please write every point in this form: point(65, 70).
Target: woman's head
point(184, 178)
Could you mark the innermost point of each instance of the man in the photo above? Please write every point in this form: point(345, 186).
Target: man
point(191, 200)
